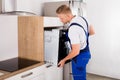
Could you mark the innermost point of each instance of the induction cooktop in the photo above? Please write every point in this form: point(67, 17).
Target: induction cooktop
point(15, 64)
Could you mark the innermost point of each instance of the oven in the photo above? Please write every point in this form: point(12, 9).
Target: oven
point(56, 45)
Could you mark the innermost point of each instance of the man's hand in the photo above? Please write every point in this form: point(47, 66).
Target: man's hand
point(61, 63)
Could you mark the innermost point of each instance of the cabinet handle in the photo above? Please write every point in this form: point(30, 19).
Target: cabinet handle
point(26, 75)
point(48, 66)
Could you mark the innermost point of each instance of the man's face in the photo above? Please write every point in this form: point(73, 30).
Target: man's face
point(63, 17)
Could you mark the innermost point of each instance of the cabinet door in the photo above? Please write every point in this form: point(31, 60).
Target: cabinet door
point(39, 77)
point(53, 73)
point(51, 39)
point(30, 37)
point(37, 73)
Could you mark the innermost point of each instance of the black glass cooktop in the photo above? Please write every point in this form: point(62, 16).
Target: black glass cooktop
point(15, 64)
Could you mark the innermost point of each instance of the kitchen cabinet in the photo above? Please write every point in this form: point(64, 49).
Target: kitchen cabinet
point(51, 38)
point(39, 77)
point(27, 33)
point(30, 37)
point(37, 73)
point(52, 72)
point(23, 36)
point(44, 72)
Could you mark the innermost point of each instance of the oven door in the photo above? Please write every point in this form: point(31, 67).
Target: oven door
point(51, 45)
point(55, 47)
point(64, 45)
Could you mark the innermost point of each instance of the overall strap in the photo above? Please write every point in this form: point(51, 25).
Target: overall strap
point(79, 26)
point(85, 21)
point(86, 32)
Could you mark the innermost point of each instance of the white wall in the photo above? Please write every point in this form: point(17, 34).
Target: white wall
point(8, 37)
point(105, 45)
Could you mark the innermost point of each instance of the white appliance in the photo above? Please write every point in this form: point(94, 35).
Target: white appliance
point(56, 45)
point(7, 5)
point(51, 46)
point(21, 6)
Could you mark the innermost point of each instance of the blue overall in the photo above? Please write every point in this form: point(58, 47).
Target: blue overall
point(80, 61)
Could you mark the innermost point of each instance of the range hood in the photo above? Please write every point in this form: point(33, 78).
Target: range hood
point(22, 13)
point(8, 7)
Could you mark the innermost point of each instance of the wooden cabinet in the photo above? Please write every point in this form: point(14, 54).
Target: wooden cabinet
point(30, 37)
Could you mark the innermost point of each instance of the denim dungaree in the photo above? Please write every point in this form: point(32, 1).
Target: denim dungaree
point(80, 61)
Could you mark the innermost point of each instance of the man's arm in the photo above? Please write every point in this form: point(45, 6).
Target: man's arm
point(74, 52)
point(91, 30)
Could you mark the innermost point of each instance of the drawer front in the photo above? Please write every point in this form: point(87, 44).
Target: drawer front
point(28, 75)
point(38, 77)
point(53, 73)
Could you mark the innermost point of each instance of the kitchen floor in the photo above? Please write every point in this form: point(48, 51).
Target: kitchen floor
point(96, 77)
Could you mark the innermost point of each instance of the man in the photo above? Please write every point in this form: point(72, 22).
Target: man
point(78, 33)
